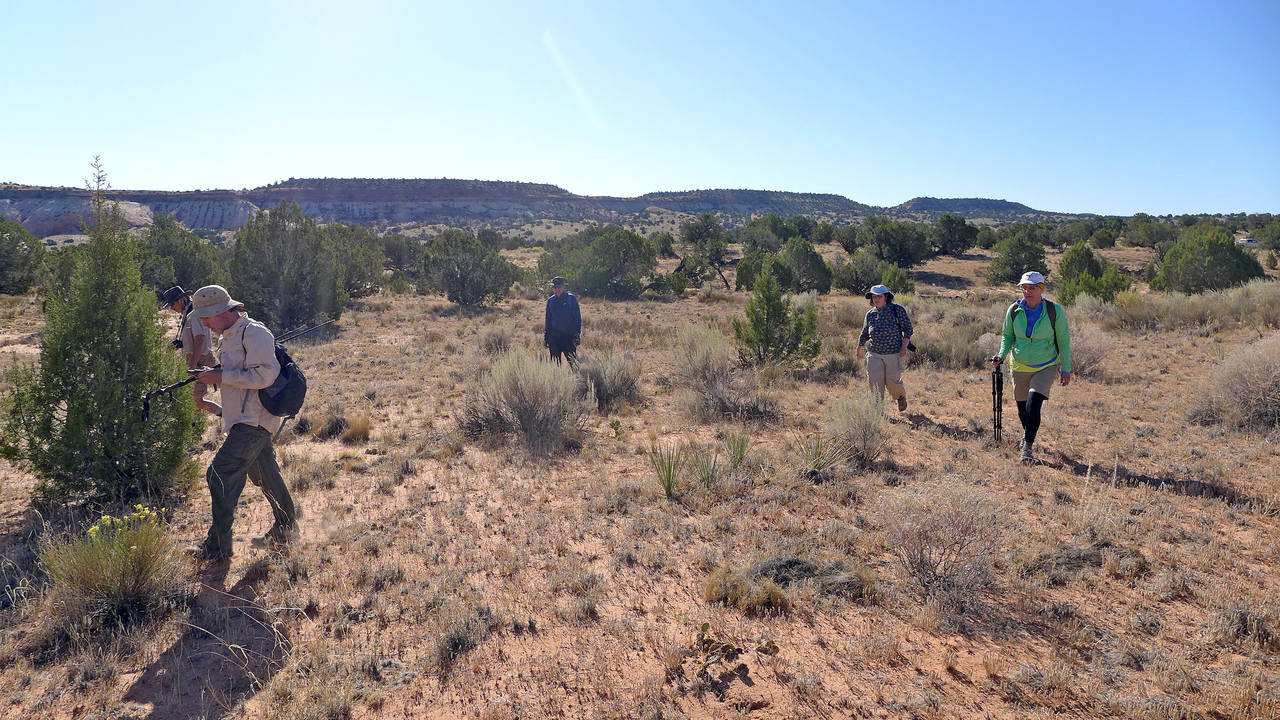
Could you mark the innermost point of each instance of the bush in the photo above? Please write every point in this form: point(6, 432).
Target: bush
point(603, 261)
point(1014, 256)
point(1104, 288)
point(358, 256)
point(953, 235)
point(1206, 259)
point(529, 397)
point(1254, 304)
point(858, 274)
point(1089, 345)
point(705, 365)
point(987, 238)
point(662, 244)
point(895, 241)
point(612, 377)
point(896, 279)
point(495, 340)
point(944, 538)
point(470, 274)
point(74, 418)
point(707, 237)
point(754, 596)
point(858, 422)
point(124, 571)
point(808, 270)
point(1245, 393)
point(1103, 238)
point(747, 271)
point(20, 258)
point(1079, 260)
point(771, 331)
point(357, 431)
point(284, 270)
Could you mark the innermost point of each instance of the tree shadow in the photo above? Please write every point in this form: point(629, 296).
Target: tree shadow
point(1191, 488)
point(230, 650)
point(918, 420)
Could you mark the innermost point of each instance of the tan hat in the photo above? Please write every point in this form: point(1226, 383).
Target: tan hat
point(211, 300)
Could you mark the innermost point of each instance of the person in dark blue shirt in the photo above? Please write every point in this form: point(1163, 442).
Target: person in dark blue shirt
point(563, 328)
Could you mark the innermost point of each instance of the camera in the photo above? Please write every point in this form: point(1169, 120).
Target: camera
point(177, 343)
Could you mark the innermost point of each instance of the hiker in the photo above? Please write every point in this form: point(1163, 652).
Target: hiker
point(1041, 349)
point(193, 341)
point(248, 363)
point(888, 329)
point(562, 331)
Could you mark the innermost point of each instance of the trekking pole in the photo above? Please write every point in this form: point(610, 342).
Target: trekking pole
point(299, 332)
point(997, 402)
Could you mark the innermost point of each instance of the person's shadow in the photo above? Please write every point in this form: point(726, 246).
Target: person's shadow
point(230, 650)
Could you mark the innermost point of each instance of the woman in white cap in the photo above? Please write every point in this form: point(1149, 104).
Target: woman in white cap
point(888, 329)
point(1036, 332)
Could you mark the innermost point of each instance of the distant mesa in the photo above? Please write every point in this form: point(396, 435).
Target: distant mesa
point(383, 203)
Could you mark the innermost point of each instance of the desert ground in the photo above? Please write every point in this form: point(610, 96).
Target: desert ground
point(1131, 573)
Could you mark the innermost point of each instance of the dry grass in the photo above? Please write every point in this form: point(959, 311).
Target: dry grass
point(436, 577)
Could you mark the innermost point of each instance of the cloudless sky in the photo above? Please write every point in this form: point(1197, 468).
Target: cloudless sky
point(1108, 107)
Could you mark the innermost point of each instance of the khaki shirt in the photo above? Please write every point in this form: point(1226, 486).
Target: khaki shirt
point(189, 330)
point(248, 358)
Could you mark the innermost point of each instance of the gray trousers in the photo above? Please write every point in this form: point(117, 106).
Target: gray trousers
point(247, 452)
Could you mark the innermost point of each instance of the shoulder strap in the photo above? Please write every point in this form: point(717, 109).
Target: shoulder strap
point(1053, 324)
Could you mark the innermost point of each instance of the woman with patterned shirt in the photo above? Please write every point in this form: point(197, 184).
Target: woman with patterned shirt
point(888, 329)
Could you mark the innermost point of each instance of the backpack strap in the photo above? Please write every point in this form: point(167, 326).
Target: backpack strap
point(1052, 311)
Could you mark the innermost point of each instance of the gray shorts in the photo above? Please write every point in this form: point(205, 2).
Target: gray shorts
point(1041, 381)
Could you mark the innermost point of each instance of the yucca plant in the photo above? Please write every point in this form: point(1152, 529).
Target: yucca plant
point(666, 463)
point(706, 466)
point(820, 454)
point(736, 445)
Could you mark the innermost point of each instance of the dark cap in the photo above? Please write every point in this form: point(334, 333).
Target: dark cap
point(171, 295)
point(557, 281)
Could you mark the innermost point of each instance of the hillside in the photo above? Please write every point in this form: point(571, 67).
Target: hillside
point(403, 204)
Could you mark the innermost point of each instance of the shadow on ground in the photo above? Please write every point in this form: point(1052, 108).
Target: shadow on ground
point(230, 650)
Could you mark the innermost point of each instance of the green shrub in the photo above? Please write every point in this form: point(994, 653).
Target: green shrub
point(857, 275)
point(895, 241)
point(953, 235)
point(531, 398)
point(612, 377)
point(679, 283)
point(736, 445)
point(747, 271)
point(858, 422)
point(706, 235)
point(1206, 259)
point(1014, 256)
point(74, 418)
point(124, 571)
point(602, 261)
point(20, 258)
point(662, 244)
point(1103, 238)
point(284, 269)
point(896, 279)
point(468, 273)
point(771, 331)
point(820, 454)
point(809, 272)
point(1255, 304)
point(1104, 288)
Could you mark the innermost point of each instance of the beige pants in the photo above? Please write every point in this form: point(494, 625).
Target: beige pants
point(885, 371)
point(1041, 381)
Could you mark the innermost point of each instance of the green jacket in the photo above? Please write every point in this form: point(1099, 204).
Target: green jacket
point(1038, 351)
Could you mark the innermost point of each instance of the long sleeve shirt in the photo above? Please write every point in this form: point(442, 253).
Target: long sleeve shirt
point(1030, 336)
point(248, 358)
point(563, 316)
point(885, 328)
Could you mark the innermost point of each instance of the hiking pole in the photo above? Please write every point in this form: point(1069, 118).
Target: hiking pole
point(299, 332)
point(997, 400)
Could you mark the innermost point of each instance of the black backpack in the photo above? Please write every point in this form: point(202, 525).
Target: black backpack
point(284, 396)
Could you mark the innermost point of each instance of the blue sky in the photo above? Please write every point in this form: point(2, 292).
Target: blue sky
point(1108, 107)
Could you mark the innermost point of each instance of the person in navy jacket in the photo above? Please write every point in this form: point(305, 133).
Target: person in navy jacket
point(563, 328)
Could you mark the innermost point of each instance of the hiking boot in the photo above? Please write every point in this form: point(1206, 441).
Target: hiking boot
point(204, 553)
point(1025, 457)
point(902, 404)
point(278, 536)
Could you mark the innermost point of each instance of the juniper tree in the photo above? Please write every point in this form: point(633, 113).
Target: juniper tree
point(73, 419)
point(772, 331)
